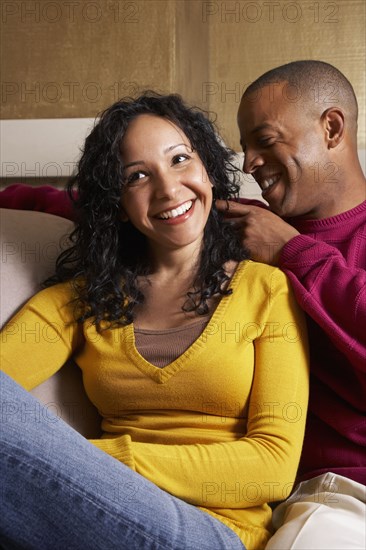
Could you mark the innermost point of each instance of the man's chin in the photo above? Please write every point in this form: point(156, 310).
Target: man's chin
point(277, 209)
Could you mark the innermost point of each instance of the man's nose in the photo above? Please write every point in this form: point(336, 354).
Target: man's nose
point(252, 160)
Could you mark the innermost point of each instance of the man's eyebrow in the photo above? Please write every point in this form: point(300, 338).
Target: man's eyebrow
point(167, 150)
point(264, 126)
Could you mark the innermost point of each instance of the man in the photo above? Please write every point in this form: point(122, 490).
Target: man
point(298, 126)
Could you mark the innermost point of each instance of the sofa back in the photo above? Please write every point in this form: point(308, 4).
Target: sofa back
point(30, 244)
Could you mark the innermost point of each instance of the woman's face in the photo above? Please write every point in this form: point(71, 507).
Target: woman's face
point(167, 194)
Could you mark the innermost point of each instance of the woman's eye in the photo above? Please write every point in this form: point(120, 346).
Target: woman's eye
point(135, 177)
point(178, 159)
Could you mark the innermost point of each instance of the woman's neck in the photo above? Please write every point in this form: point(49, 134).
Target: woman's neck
point(179, 263)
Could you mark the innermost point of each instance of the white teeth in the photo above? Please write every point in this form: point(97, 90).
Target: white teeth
point(268, 182)
point(176, 211)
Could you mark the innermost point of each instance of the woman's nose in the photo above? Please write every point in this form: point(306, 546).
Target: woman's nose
point(166, 184)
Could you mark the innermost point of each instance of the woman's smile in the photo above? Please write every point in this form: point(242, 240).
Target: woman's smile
point(177, 212)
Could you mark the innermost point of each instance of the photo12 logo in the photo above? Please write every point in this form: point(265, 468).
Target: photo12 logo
point(66, 92)
point(26, 11)
point(270, 12)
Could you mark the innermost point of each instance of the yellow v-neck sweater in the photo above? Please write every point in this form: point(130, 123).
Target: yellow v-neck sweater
point(221, 427)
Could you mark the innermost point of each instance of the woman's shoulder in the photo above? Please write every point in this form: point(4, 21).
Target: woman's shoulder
point(255, 282)
point(58, 291)
point(56, 298)
point(261, 287)
point(258, 273)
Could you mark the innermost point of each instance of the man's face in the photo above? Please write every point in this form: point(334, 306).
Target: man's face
point(286, 151)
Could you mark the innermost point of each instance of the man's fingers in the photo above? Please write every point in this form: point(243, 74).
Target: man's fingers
point(231, 208)
point(226, 205)
point(235, 220)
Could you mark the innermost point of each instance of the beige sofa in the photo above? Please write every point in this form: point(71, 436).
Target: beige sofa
point(30, 244)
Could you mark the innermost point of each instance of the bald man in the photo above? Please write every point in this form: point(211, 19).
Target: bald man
point(298, 130)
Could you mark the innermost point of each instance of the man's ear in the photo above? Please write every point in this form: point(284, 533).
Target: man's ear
point(333, 119)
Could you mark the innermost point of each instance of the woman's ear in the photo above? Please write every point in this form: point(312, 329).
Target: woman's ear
point(333, 119)
point(122, 215)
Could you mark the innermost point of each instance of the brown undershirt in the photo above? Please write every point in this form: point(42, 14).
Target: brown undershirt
point(162, 347)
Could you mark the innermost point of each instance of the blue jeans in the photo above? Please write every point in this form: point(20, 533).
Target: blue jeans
point(58, 491)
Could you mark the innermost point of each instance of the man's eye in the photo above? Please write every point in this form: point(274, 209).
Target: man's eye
point(266, 141)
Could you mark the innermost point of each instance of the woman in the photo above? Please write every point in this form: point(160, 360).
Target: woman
point(194, 356)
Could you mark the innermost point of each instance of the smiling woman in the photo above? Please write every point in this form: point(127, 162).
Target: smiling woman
point(168, 194)
point(146, 158)
point(195, 357)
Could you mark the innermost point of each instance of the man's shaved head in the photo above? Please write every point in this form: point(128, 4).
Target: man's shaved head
point(315, 82)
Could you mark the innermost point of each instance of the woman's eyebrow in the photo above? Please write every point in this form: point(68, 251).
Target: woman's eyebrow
point(167, 150)
point(134, 163)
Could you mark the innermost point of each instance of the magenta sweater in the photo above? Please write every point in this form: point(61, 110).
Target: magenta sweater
point(327, 267)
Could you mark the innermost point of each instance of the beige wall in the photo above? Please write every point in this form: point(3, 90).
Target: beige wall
point(240, 51)
point(70, 59)
point(64, 59)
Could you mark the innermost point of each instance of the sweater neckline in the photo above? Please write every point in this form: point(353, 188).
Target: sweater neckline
point(155, 332)
point(162, 375)
point(326, 223)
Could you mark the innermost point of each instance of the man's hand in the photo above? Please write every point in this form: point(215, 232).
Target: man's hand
point(264, 233)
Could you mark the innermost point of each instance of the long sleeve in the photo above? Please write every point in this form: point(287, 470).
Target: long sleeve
point(40, 338)
point(331, 291)
point(44, 198)
point(260, 466)
point(326, 265)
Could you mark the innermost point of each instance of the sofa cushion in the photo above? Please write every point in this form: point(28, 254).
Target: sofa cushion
point(30, 244)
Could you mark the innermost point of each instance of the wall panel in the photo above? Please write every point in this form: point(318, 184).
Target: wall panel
point(84, 60)
point(72, 58)
point(249, 38)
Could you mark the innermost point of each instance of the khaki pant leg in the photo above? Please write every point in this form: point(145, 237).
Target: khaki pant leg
point(324, 513)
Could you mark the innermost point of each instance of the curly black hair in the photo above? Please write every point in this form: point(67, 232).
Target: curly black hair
point(107, 255)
